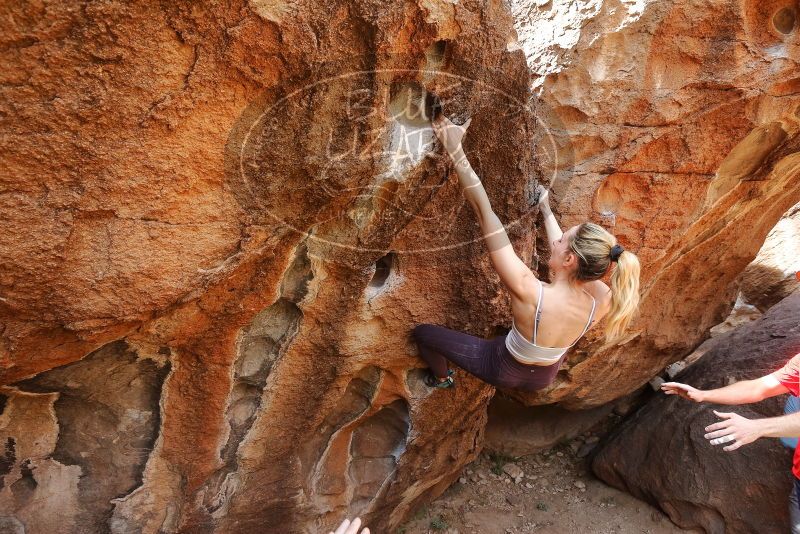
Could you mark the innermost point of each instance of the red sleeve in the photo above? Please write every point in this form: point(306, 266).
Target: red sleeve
point(789, 375)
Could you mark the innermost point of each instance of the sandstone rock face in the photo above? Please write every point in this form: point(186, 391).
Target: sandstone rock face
point(241, 201)
point(674, 124)
point(517, 430)
point(222, 222)
point(771, 277)
point(92, 420)
point(660, 455)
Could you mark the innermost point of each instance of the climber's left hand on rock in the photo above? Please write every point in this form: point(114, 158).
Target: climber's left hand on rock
point(449, 133)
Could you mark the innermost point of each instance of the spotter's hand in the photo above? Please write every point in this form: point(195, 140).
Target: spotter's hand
point(684, 390)
point(734, 429)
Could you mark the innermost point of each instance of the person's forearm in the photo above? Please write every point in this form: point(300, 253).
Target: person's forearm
point(743, 392)
point(491, 227)
point(470, 183)
point(786, 426)
point(554, 232)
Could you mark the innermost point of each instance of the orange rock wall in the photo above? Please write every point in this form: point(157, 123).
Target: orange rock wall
point(673, 124)
point(239, 200)
point(223, 221)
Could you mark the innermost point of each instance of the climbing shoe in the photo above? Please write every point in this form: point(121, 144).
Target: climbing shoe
point(432, 381)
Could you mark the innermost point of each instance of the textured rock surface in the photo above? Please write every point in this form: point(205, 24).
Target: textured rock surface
point(183, 185)
point(771, 276)
point(675, 125)
point(660, 455)
point(178, 187)
point(77, 437)
point(517, 430)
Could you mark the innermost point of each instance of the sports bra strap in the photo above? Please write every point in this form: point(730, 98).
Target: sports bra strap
point(589, 323)
point(539, 315)
point(538, 311)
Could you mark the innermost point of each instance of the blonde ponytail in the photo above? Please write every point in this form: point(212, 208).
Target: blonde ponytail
point(624, 295)
point(593, 245)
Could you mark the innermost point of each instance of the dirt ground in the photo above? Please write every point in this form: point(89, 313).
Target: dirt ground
point(552, 492)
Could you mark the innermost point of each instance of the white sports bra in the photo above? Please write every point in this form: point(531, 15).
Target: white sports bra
point(528, 352)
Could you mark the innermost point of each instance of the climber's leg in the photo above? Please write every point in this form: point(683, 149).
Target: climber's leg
point(438, 345)
point(488, 359)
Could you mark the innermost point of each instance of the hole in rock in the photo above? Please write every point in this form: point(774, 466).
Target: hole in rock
point(24, 488)
point(265, 339)
point(294, 284)
point(415, 380)
point(9, 456)
point(383, 268)
point(433, 105)
point(243, 407)
point(609, 196)
point(435, 55)
point(412, 105)
point(784, 20)
point(411, 137)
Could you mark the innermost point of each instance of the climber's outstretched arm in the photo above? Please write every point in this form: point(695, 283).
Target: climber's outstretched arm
point(598, 289)
point(551, 226)
point(514, 274)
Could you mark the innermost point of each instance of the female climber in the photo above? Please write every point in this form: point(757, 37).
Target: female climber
point(548, 319)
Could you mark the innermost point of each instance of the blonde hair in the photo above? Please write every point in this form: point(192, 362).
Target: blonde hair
point(593, 245)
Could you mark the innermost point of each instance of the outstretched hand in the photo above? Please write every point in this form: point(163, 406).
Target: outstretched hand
point(734, 429)
point(449, 133)
point(684, 390)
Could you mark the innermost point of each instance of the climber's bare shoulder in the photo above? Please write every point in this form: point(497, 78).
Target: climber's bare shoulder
point(523, 306)
point(602, 295)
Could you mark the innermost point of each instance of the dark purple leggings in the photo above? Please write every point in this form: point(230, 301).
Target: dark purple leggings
point(488, 359)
